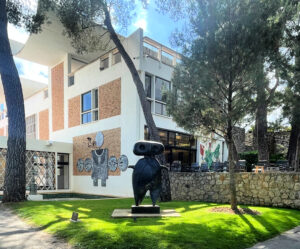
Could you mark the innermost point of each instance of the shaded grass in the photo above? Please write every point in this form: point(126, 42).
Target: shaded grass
point(196, 228)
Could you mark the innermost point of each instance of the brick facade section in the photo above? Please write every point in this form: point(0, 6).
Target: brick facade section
point(57, 84)
point(44, 125)
point(74, 111)
point(112, 142)
point(2, 131)
point(110, 99)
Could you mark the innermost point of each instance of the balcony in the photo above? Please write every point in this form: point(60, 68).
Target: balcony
point(160, 53)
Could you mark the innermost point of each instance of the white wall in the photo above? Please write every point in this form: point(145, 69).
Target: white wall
point(131, 121)
point(40, 145)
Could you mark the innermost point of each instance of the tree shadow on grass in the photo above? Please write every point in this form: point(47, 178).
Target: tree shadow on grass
point(173, 233)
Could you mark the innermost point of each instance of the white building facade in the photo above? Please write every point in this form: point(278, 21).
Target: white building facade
point(91, 94)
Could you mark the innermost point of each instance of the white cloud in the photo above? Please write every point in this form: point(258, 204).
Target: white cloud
point(32, 70)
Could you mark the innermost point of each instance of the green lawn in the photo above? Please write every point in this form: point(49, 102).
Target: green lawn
point(196, 228)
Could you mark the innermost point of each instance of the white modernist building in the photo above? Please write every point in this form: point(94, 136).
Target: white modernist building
point(91, 102)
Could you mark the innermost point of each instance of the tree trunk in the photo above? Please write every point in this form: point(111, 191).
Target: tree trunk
point(15, 180)
point(291, 155)
point(233, 200)
point(296, 159)
point(231, 146)
point(166, 190)
point(261, 117)
point(235, 153)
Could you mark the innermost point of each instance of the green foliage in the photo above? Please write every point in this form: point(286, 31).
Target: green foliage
point(21, 14)
point(278, 127)
point(251, 157)
point(197, 227)
point(275, 157)
point(84, 21)
point(212, 86)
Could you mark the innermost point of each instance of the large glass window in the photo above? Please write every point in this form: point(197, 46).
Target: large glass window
point(161, 88)
point(89, 106)
point(157, 94)
point(179, 147)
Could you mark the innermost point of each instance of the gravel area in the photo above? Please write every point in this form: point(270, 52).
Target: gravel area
point(16, 234)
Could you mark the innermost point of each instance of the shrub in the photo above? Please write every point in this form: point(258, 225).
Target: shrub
point(251, 157)
point(275, 157)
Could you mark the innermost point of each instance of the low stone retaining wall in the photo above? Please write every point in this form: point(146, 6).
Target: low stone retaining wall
point(264, 189)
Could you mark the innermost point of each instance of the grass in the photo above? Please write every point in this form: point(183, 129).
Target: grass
point(196, 228)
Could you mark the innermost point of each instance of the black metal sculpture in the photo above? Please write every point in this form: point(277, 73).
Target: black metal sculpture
point(147, 172)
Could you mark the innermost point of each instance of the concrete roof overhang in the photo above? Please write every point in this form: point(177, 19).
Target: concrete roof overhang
point(50, 46)
point(29, 87)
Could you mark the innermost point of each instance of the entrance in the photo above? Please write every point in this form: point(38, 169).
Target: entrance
point(62, 171)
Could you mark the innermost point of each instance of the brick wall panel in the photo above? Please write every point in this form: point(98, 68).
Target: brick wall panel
point(110, 99)
point(44, 125)
point(57, 87)
point(74, 111)
point(112, 141)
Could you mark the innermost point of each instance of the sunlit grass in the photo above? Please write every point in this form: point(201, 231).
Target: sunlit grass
point(196, 228)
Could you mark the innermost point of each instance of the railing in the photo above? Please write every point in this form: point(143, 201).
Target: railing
point(151, 53)
point(159, 52)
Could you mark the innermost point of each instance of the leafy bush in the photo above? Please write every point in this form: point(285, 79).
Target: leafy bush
point(251, 157)
point(275, 157)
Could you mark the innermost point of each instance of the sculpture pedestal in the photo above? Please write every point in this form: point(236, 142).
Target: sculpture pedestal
point(145, 209)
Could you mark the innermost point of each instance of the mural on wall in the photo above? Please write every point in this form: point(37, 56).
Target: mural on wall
point(210, 156)
point(99, 163)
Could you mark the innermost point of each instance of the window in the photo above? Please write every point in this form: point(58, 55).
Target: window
point(179, 147)
point(104, 63)
point(89, 106)
point(46, 94)
point(148, 90)
point(30, 127)
point(71, 80)
point(160, 89)
point(116, 58)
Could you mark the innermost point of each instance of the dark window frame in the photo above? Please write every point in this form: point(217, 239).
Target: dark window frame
point(170, 147)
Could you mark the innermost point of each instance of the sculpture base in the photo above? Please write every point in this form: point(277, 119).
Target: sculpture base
point(145, 209)
point(126, 213)
point(34, 197)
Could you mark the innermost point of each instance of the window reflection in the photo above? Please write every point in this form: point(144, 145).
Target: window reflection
point(180, 148)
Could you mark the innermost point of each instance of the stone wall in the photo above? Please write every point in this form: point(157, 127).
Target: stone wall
point(278, 189)
point(278, 142)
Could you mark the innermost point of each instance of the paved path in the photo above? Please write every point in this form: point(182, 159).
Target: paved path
point(16, 234)
point(287, 240)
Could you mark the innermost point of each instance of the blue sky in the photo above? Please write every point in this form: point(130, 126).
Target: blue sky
point(155, 25)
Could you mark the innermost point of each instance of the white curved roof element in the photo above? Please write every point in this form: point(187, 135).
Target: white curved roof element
point(29, 87)
point(15, 46)
point(50, 46)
